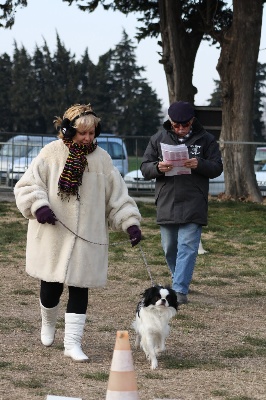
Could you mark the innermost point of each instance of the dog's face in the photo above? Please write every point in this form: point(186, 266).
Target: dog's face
point(160, 296)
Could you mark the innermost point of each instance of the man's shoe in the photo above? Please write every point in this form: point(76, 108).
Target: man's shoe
point(181, 298)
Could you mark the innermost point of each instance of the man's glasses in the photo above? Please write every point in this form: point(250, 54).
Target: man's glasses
point(178, 124)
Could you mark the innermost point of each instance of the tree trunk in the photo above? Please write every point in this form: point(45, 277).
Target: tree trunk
point(237, 70)
point(179, 50)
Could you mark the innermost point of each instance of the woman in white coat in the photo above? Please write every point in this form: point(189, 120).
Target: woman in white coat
point(72, 184)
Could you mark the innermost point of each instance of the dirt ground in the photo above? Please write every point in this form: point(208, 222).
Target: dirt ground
point(216, 349)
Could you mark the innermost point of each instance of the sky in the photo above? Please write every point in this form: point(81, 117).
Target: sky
point(101, 31)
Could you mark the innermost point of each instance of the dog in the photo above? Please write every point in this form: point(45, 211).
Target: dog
point(158, 305)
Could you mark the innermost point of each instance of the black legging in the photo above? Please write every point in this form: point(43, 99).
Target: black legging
point(51, 292)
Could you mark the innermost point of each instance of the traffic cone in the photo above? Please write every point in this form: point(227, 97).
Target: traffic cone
point(122, 384)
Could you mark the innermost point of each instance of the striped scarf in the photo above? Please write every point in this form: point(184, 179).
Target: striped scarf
point(71, 177)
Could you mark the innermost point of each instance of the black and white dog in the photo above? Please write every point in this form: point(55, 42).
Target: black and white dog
point(158, 305)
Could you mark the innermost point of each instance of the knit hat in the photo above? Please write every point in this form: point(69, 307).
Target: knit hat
point(181, 111)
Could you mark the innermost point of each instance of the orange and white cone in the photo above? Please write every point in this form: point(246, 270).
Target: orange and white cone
point(122, 384)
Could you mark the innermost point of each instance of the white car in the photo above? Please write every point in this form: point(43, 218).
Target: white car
point(20, 165)
point(116, 148)
point(135, 181)
point(19, 152)
point(217, 185)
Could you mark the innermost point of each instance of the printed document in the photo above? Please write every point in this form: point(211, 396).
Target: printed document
point(176, 155)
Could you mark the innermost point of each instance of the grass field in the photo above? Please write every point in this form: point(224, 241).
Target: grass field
point(217, 345)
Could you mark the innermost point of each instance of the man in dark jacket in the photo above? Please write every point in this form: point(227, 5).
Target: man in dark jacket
point(182, 200)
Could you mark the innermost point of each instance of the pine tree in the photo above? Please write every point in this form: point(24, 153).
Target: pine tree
point(39, 91)
point(22, 92)
point(216, 96)
point(96, 88)
point(66, 78)
point(6, 81)
point(48, 95)
point(85, 68)
point(106, 96)
point(259, 94)
point(132, 97)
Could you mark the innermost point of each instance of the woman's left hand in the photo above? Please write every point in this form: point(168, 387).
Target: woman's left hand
point(134, 234)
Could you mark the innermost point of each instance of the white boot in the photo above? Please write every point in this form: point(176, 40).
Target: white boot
point(49, 317)
point(74, 325)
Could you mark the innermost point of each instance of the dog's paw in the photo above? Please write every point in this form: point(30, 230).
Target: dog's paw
point(154, 364)
point(147, 355)
point(159, 350)
point(137, 342)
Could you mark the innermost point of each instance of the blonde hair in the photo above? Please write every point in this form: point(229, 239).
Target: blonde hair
point(77, 112)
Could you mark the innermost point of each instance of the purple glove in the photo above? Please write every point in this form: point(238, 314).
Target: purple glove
point(134, 234)
point(45, 214)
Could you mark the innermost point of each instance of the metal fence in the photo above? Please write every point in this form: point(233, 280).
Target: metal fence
point(18, 150)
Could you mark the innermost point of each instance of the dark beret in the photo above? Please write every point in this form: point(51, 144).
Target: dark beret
point(181, 111)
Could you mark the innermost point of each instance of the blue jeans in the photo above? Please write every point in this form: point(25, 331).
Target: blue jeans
point(180, 244)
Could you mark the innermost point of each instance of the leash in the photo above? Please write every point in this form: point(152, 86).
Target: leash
point(89, 241)
point(112, 244)
point(146, 264)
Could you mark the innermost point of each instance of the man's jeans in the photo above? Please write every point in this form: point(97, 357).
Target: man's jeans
point(180, 244)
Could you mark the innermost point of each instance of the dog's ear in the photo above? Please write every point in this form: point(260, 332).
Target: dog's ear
point(172, 298)
point(149, 295)
point(148, 292)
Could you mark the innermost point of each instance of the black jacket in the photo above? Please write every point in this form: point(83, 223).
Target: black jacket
point(183, 199)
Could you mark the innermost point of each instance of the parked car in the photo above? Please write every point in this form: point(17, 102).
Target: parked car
point(20, 164)
point(260, 158)
point(18, 151)
point(217, 185)
point(135, 181)
point(261, 179)
point(116, 148)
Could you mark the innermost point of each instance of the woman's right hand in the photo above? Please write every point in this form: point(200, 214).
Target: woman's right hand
point(134, 234)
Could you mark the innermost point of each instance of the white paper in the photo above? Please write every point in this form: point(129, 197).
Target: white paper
point(176, 155)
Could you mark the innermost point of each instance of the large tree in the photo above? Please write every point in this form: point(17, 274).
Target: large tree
point(237, 70)
point(183, 24)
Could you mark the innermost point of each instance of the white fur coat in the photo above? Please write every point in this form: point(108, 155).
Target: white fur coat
point(53, 253)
